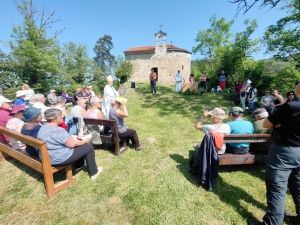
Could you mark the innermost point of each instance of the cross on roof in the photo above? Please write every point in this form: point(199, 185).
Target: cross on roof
point(160, 26)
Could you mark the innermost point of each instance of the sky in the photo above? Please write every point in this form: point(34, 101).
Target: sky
point(133, 23)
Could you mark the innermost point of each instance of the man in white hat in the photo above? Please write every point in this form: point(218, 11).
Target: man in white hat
point(5, 110)
point(52, 98)
point(20, 98)
point(109, 93)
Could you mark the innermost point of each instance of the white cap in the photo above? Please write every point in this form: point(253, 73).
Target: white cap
point(20, 93)
point(52, 91)
point(2, 100)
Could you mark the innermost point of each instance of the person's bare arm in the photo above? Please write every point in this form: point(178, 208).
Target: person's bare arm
point(72, 142)
point(267, 124)
point(122, 113)
point(199, 123)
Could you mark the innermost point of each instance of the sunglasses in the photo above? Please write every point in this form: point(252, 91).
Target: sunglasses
point(291, 94)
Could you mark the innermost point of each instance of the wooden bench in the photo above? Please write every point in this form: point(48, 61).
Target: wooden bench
point(43, 166)
point(119, 145)
point(249, 158)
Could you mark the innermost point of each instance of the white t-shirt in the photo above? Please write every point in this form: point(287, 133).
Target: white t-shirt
point(225, 129)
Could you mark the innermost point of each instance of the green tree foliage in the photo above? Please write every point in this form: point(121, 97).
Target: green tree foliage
point(104, 60)
point(285, 79)
point(123, 69)
point(8, 75)
point(283, 39)
point(77, 67)
point(35, 53)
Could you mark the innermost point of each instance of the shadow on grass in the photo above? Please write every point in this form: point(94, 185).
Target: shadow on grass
point(227, 193)
point(167, 101)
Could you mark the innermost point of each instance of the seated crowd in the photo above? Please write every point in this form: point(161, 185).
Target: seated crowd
point(29, 115)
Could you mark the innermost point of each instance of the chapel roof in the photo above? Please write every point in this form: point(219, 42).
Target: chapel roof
point(149, 49)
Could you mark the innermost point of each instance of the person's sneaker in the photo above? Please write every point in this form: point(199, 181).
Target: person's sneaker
point(140, 147)
point(252, 221)
point(80, 168)
point(97, 174)
point(289, 217)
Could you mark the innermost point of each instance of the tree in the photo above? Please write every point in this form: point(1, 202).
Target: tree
point(246, 5)
point(77, 67)
point(283, 39)
point(35, 53)
point(123, 69)
point(212, 40)
point(104, 60)
point(8, 76)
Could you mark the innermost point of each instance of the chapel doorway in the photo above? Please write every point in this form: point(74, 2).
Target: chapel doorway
point(156, 71)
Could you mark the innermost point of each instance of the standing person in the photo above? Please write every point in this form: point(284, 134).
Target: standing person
point(29, 93)
point(191, 78)
point(77, 95)
point(90, 89)
point(267, 101)
point(109, 93)
point(223, 77)
point(119, 114)
point(152, 78)
point(252, 99)
point(5, 110)
point(64, 149)
point(283, 162)
point(178, 81)
point(20, 98)
point(203, 80)
point(237, 88)
point(243, 95)
point(278, 100)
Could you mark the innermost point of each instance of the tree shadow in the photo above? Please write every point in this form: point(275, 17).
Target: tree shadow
point(227, 193)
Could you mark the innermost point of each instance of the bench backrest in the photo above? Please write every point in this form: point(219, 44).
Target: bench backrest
point(252, 138)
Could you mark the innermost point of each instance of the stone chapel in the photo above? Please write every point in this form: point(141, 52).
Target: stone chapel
point(165, 59)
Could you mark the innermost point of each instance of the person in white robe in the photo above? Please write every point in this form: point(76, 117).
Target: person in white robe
point(109, 93)
point(178, 82)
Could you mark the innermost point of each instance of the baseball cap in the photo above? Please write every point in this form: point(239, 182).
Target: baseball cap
point(236, 111)
point(258, 111)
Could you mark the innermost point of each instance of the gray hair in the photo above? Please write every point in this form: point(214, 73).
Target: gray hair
point(113, 101)
point(52, 114)
point(94, 100)
point(81, 100)
point(38, 97)
point(60, 99)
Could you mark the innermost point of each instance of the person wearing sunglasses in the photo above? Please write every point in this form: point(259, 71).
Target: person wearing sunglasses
point(291, 96)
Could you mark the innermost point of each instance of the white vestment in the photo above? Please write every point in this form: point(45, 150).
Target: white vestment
point(109, 93)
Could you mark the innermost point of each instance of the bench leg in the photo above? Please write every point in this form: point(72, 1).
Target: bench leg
point(49, 183)
point(2, 158)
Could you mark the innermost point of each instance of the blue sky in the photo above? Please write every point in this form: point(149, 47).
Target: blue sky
point(134, 22)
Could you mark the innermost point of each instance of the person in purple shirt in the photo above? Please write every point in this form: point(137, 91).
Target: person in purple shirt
point(66, 96)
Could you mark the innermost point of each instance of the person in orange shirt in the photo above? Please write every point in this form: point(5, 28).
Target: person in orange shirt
point(152, 78)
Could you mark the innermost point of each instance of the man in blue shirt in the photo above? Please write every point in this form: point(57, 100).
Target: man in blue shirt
point(238, 126)
point(20, 98)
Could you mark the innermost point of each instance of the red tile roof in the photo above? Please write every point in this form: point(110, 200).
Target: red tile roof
point(152, 48)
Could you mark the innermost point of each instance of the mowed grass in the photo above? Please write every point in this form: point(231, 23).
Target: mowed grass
point(147, 187)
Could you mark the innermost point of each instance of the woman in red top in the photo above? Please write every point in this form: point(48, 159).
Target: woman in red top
point(237, 88)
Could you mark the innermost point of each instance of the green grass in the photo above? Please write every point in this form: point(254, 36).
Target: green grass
point(147, 187)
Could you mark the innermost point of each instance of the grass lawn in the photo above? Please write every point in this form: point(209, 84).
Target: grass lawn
point(147, 187)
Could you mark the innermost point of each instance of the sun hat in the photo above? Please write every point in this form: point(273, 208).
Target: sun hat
point(3, 100)
point(31, 113)
point(18, 108)
point(20, 93)
point(52, 91)
point(236, 111)
point(259, 111)
point(217, 113)
point(120, 99)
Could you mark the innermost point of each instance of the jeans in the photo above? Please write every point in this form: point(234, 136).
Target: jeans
point(282, 171)
point(252, 106)
point(80, 152)
point(243, 101)
point(234, 150)
point(153, 86)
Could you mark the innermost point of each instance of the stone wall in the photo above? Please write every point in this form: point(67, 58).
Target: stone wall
point(167, 64)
